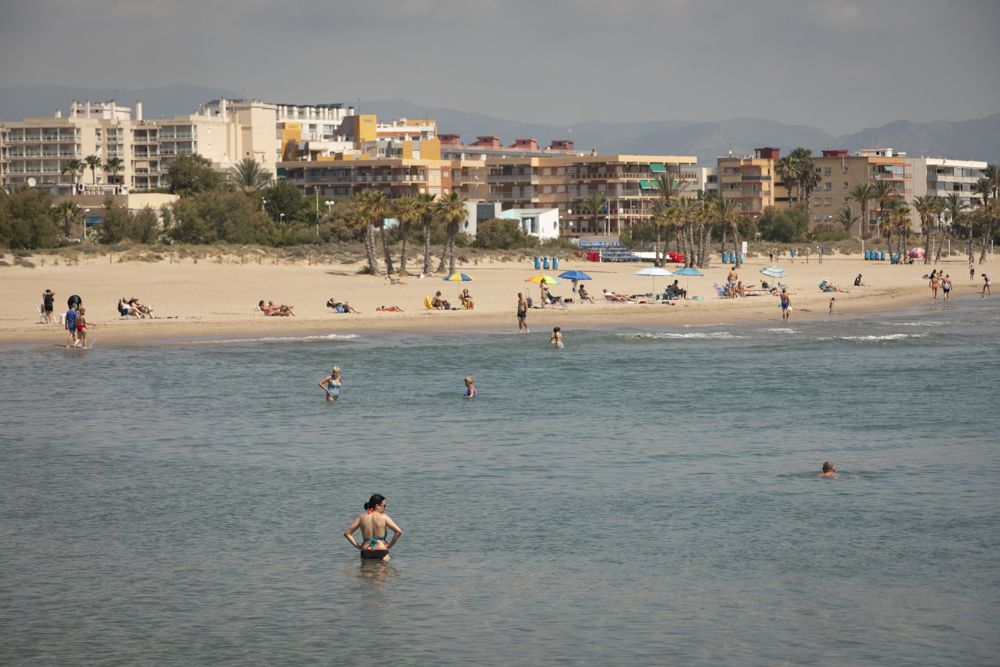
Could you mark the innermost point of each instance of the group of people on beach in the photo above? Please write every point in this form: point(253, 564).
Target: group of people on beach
point(76, 322)
point(132, 307)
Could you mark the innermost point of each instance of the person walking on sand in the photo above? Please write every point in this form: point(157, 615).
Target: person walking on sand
point(986, 286)
point(828, 470)
point(934, 284)
point(48, 304)
point(556, 338)
point(522, 313)
point(470, 388)
point(373, 525)
point(785, 304)
point(331, 384)
point(832, 299)
point(946, 286)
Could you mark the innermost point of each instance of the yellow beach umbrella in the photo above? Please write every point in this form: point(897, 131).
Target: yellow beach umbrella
point(543, 278)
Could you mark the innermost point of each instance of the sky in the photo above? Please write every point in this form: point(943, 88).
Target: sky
point(841, 66)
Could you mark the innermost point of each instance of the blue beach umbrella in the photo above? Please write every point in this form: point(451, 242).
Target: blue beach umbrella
point(574, 275)
point(688, 271)
point(457, 278)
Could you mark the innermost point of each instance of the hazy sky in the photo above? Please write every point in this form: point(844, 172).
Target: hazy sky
point(839, 65)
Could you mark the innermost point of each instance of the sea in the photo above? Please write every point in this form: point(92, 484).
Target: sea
point(644, 496)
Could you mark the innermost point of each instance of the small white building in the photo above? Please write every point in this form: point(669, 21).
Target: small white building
point(542, 223)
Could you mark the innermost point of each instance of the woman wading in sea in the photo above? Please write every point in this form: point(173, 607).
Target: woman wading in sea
point(373, 525)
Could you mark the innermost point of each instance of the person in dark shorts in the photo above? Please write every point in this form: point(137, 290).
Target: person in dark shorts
point(522, 313)
point(48, 301)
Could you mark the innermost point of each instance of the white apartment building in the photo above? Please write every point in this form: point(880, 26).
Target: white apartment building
point(135, 154)
point(939, 177)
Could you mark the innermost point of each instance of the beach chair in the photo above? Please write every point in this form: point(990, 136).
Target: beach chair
point(721, 291)
point(41, 312)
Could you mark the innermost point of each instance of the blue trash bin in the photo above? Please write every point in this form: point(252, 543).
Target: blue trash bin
point(555, 263)
point(538, 264)
point(881, 256)
point(545, 262)
point(739, 256)
point(868, 254)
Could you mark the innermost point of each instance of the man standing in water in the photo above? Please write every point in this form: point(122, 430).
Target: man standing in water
point(522, 313)
point(373, 525)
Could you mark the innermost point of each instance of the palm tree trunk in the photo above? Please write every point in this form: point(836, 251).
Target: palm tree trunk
point(402, 255)
point(370, 251)
point(940, 247)
point(927, 246)
point(736, 246)
point(971, 250)
point(427, 248)
point(385, 250)
point(659, 255)
point(986, 240)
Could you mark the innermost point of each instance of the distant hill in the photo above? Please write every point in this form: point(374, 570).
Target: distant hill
point(977, 139)
point(19, 102)
point(972, 139)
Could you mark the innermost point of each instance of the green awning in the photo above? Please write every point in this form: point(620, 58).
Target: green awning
point(647, 185)
point(657, 167)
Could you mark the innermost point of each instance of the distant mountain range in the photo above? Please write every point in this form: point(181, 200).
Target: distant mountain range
point(977, 139)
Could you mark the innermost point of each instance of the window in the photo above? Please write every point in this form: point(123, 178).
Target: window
point(828, 170)
point(828, 185)
point(846, 185)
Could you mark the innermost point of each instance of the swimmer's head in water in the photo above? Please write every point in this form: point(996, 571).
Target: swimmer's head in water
point(375, 502)
point(827, 466)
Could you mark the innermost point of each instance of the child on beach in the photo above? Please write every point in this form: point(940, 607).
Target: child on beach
point(81, 329)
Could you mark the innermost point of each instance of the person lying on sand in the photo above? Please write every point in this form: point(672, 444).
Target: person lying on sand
point(340, 306)
point(389, 309)
point(275, 311)
point(611, 296)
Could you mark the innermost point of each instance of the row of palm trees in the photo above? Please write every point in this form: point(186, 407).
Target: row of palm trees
point(113, 166)
point(373, 207)
point(930, 210)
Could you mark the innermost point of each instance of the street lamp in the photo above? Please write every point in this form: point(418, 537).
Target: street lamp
point(85, 212)
point(281, 218)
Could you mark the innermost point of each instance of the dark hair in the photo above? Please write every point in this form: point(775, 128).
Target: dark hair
point(827, 466)
point(373, 502)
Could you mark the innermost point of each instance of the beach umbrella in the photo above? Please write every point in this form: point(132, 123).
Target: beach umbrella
point(773, 271)
point(916, 253)
point(688, 271)
point(543, 278)
point(653, 271)
point(457, 278)
point(574, 275)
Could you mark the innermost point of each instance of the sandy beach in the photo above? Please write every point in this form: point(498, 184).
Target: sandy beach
point(213, 298)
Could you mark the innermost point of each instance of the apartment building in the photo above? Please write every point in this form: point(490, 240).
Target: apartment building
point(840, 172)
point(751, 180)
point(396, 177)
point(485, 147)
point(940, 177)
point(564, 181)
point(135, 154)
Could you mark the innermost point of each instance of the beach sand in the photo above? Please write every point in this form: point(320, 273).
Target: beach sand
point(210, 299)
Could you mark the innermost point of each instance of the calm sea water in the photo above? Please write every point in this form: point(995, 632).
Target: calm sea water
point(642, 497)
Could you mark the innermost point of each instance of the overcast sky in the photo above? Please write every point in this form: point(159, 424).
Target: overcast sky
point(838, 65)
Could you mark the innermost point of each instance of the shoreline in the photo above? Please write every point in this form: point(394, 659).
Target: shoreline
point(203, 301)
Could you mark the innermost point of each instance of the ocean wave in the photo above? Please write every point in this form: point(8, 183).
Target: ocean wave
point(672, 335)
point(277, 339)
point(928, 323)
point(885, 337)
point(784, 330)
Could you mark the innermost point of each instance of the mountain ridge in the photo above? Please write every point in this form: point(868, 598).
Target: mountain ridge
point(975, 139)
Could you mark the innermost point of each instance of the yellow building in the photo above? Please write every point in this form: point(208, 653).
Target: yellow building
point(841, 172)
point(752, 181)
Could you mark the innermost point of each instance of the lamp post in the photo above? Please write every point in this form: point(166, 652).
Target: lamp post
point(85, 212)
point(281, 218)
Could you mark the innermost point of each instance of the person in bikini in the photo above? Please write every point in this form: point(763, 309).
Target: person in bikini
point(331, 384)
point(373, 525)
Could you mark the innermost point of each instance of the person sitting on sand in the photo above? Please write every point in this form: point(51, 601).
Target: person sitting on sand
point(438, 303)
point(466, 299)
point(828, 470)
point(826, 286)
point(144, 311)
point(340, 306)
point(389, 309)
point(584, 294)
point(126, 309)
point(275, 311)
point(857, 281)
point(373, 524)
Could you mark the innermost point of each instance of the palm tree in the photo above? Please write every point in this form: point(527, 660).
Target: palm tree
point(594, 206)
point(882, 192)
point(74, 167)
point(863, 193)
point(93, 163)
point(927, 208)
point(113, 166)
point(407, 211)
point(68, 211)
point(669, 189)
point(248, 175)
point(425, 204)
point(451, 211)
point(805, 174)
point(787, 172)
point(688, 210)
point(846, 217)
point(989, 188)
point(953, 204)
point(727, 215)
point(371, 206)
